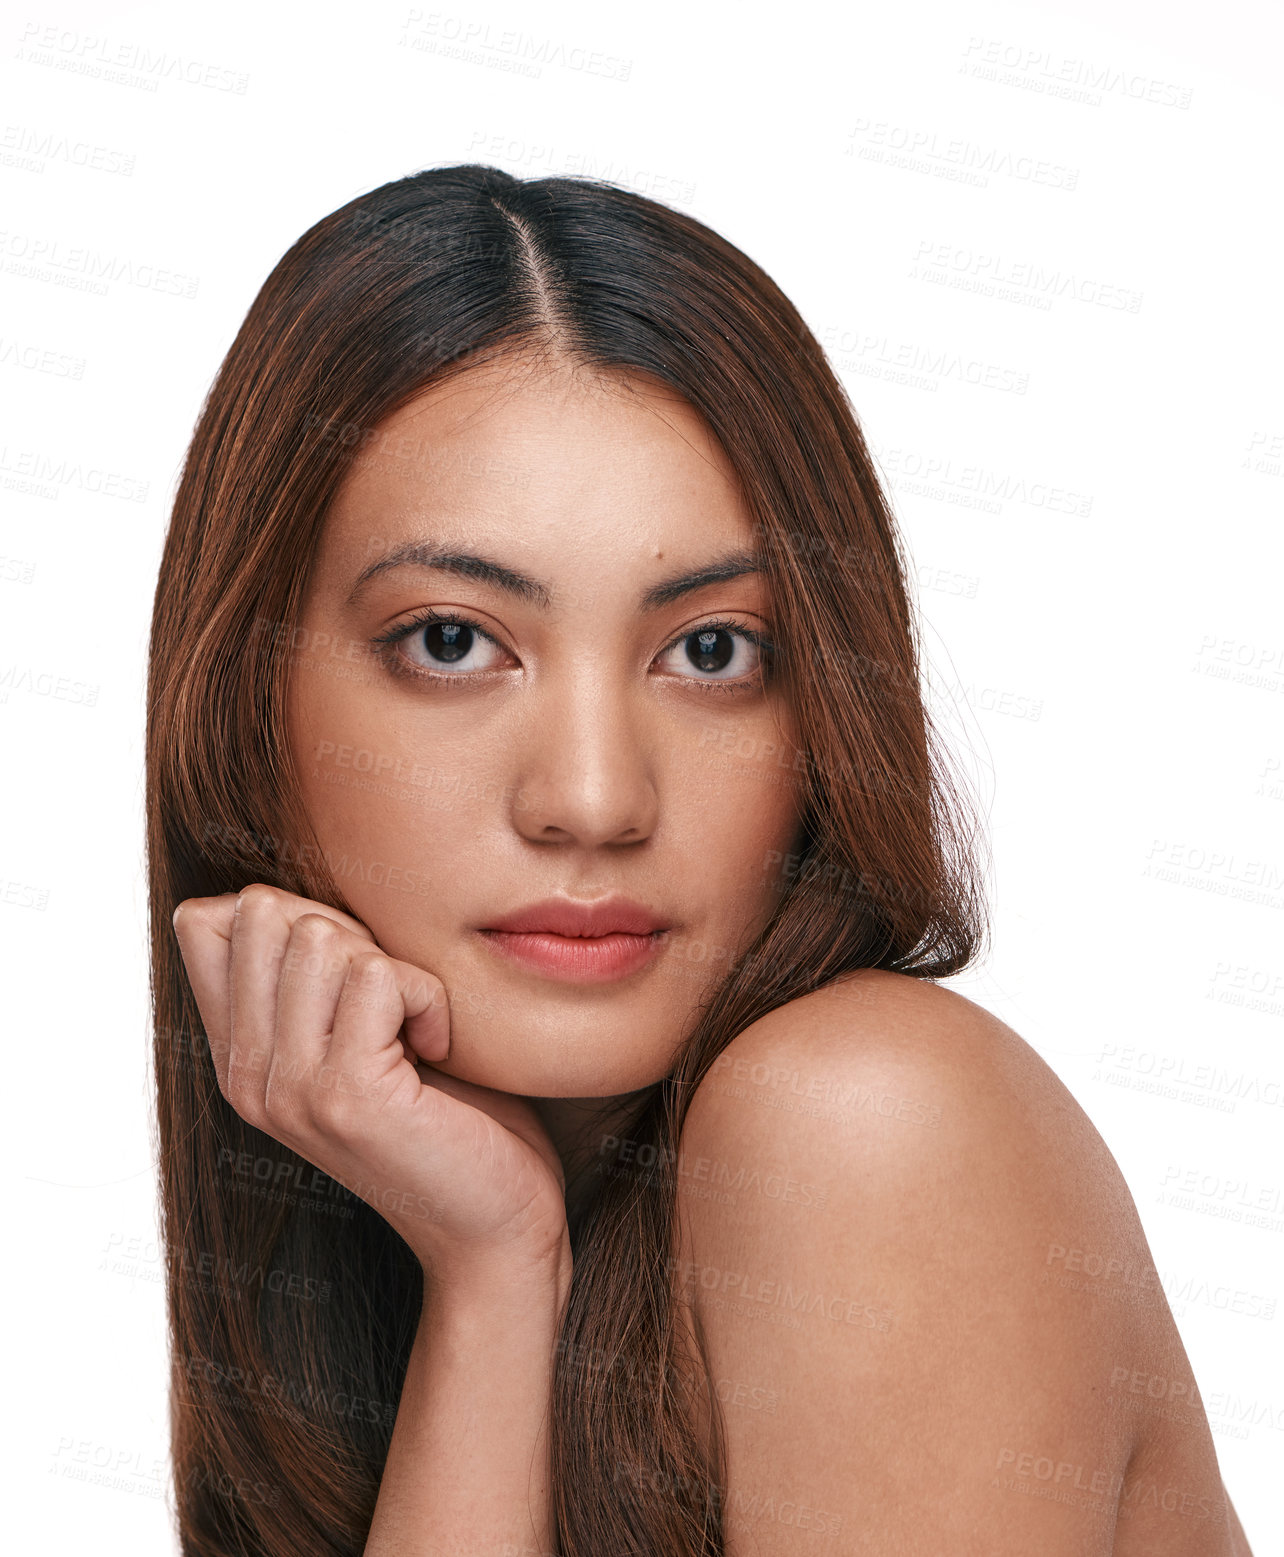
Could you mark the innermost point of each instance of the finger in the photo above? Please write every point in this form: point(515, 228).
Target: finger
point(260, 930)
point(202, 926)
point(262, 921)
point(427, 1011)
point(388, 1010)
point(291, 907)
point(317, 960)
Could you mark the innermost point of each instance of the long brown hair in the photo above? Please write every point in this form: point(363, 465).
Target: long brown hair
point(292, 1304)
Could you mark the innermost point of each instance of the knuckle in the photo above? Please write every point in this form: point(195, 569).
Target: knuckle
point(246, 1073)
point(193, 913)
point(334, 1109)
point(427, 987)
point(257, 892)
point(370, 969)
point(316, 930)
point(255, 900)
point(314, 947)
point(237, 1092)
point(281, 1106)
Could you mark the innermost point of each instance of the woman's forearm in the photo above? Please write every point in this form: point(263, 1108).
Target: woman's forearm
point(467, 1473)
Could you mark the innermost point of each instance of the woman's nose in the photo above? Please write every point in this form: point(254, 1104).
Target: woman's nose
point(586, 769)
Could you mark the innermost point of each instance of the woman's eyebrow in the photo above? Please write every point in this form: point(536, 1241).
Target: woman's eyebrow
point(468, 564)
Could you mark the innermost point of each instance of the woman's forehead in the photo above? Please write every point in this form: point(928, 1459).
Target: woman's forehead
point(542, 463)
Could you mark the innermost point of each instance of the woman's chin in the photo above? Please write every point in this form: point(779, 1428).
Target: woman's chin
point(529, 1061)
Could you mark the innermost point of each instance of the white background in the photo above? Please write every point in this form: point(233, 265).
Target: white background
point(1110, 662)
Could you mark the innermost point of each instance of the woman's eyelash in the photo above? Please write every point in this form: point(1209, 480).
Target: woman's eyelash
point(428, 616)
point(724, 624)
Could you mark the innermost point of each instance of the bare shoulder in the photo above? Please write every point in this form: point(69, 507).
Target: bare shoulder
point(876, 1023)
point(923, 1290)
point(881, 1076)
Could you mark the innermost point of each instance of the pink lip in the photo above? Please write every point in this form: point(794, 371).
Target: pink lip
point(586, 943)
point(568, 916)
point(577, 959)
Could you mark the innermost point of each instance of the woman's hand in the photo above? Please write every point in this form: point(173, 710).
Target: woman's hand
point(318, 1039)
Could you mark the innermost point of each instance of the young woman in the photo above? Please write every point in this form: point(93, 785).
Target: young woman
point(566, 1147)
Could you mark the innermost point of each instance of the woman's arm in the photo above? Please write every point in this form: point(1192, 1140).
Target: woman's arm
point(325, 1043)
point(467, 1473)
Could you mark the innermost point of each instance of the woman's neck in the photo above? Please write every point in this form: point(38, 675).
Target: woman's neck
point(584, 1131)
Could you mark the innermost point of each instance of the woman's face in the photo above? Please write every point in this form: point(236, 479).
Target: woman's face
point(561, 730)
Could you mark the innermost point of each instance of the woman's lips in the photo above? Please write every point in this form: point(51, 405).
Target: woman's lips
point(574, 958)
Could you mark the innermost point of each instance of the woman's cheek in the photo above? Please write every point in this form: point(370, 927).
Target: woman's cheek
point(375, 848)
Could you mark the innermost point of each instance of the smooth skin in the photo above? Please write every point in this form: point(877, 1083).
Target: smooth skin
point(578, 749)
point(912, 1354)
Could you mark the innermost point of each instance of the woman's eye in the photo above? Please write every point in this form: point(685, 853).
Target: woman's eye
point(719, 651)
point(444, 645)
